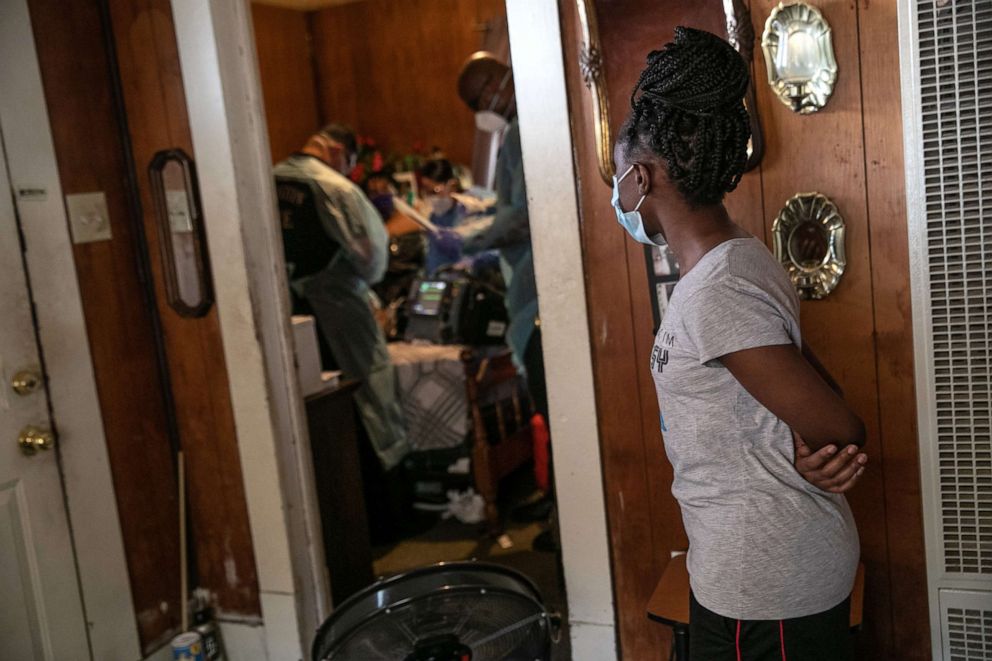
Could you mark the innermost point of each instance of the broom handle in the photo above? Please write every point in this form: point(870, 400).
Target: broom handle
point(182, 543)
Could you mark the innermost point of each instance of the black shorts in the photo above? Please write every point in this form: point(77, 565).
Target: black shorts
point(824, 636)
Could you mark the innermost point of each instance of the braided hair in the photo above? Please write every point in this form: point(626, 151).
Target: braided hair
point(687, 108)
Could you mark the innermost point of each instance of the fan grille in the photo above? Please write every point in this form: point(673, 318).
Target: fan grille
point(494, 625)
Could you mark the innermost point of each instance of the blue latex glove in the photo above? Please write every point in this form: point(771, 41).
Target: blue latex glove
point(449, 244)
point(485, 261)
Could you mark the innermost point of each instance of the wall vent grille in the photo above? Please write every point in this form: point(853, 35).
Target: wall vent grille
point(966, 625)
point(955, 58)
point(969, 634)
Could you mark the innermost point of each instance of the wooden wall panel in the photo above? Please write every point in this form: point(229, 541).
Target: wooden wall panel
point(285, 66)
point(645, 521)
point(864, 340)
point(824, 152)
point(91, 157)
point(341, 58)
point(156, 109)
point(389, 69)
point(898, 448)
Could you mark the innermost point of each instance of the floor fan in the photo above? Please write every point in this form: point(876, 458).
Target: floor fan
point(451, 611)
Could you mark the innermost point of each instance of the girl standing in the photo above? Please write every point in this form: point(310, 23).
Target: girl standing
point(772, 557)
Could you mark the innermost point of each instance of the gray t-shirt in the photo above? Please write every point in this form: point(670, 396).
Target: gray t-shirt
point(763, 542)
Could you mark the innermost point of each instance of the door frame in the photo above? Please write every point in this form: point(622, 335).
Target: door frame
point(216, 46)
point(220, 76)
point(86, 477)
point(536, 48)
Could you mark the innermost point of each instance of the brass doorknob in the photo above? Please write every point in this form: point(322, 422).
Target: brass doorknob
point(34, 438)
point(26, 382)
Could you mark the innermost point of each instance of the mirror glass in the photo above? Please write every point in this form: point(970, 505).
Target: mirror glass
point(799, 57)
point(184, 258)
point(809, 242)
point(181, 236)
point(808, 245)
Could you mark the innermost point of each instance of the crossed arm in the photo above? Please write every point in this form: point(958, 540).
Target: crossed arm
point(798, 390)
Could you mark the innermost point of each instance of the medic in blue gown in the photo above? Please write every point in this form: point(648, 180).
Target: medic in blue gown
point(336, 247)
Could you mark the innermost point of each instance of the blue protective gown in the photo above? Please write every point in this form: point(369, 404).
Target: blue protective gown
point(509, 232)
point(339, 296)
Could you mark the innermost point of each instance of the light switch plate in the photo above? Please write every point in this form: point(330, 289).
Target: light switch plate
point(88, 217)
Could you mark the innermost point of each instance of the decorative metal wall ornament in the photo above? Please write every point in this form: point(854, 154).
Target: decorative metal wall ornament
point(799, 56)
point(591, 65)
point(809, 241)
point(740, 34)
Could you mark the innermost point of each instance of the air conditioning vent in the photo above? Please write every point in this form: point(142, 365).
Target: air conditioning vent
point(967, 625)
point(955, 86)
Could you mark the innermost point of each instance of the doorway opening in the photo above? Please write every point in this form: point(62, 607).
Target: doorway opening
point(422, 375)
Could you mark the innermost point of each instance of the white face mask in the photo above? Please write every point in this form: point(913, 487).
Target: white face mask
point(490, 121)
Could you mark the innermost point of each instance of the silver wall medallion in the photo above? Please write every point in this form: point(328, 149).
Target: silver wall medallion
point(799, 56)
point(809, 241)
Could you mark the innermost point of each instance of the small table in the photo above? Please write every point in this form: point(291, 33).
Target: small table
point(670, 602)
point(340, 490)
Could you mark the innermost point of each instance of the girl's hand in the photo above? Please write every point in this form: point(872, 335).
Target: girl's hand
point(828, 469)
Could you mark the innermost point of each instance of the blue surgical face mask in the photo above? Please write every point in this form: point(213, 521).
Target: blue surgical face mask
point(631, 220)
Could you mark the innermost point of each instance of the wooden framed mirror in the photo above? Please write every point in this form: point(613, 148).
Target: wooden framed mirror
point(182, 238)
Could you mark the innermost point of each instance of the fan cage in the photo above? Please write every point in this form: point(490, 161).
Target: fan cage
point(388, 596)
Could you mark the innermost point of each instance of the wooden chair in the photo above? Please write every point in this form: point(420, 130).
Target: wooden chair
point(500, 417)
point(670, 603)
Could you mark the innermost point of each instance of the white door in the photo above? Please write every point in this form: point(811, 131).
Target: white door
point(41, 612)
